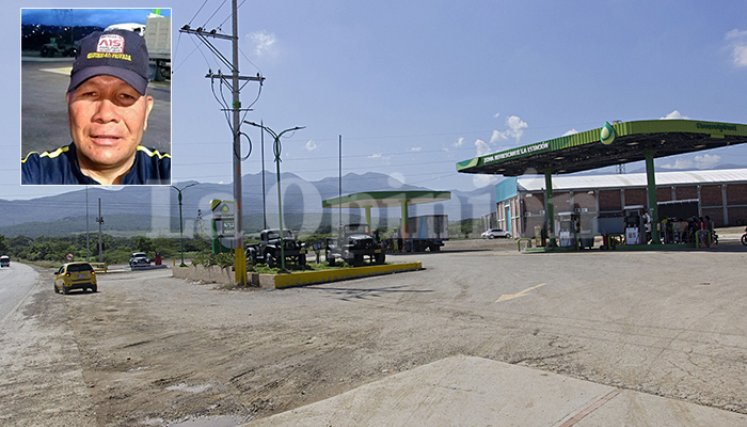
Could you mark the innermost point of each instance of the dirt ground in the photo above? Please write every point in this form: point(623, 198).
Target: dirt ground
point(150, 350)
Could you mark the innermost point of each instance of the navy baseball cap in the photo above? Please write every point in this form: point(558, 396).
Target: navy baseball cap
point(118, 53)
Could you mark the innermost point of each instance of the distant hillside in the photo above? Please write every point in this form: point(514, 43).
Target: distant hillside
point(155, 210)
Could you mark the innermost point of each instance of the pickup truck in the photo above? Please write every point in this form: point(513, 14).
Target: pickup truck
point(354, 246)
point(267, 251)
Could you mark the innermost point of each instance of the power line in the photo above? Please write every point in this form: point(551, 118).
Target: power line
point(211, 16)
point(198, 12)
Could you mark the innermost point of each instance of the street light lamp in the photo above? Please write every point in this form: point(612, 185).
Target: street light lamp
point(277, 149)
point(181, 222)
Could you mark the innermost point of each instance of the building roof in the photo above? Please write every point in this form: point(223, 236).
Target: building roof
point(589, 182)
point(609, 145)
point(386, 198)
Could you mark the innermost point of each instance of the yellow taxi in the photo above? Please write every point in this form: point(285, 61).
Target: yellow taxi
point(75, 275)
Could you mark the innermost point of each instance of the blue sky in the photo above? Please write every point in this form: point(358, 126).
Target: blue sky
point(413, 87)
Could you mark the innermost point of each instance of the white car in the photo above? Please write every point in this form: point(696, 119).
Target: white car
point(139, 259)
point(495, 232)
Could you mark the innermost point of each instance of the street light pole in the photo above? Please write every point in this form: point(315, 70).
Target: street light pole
point(181, 222)
point(277, 149)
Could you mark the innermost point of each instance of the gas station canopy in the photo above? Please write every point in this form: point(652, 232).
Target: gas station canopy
point(623, 142)
point(386, 199)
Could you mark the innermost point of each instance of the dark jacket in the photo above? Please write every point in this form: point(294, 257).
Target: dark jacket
point(60, 167)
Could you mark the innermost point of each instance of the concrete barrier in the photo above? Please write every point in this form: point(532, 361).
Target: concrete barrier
point(200, 273)
point(303, 278)
point(215, 274)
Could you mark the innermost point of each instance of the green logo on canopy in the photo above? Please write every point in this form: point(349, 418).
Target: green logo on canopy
point(607, 134)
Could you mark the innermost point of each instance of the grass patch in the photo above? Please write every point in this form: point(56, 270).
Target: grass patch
point(264, 269)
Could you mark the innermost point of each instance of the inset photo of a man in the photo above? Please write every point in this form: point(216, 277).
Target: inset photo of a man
point(96, 96)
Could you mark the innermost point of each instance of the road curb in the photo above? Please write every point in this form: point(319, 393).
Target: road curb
point(304, 278)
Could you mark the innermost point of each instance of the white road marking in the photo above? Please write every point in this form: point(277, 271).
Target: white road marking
point(61, 70)
point(508, 297)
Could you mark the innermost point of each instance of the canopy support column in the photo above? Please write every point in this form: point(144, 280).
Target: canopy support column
point(404, 232)
point(368, 217)
point(653, 208)
point(549, 209)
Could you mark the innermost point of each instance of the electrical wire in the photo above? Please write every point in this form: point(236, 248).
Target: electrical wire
point(211, 16)
point(229, 15)
point(198, 12)
point(241, 51)
point(207, 62)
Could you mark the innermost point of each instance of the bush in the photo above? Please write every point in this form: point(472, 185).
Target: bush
point(223, 260)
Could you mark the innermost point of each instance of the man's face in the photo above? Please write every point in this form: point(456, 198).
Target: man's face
point(107, 121)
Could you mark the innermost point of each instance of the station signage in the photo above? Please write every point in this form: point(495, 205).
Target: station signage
point(716, 126)
point(521, 151)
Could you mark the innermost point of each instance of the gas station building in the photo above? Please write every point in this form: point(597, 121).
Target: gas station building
point(719, 194)
point(598, 201)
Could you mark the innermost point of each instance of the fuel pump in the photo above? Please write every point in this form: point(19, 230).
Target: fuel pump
point(568, 229)
point(632, 219)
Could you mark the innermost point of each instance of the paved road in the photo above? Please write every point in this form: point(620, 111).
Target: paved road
point(16, 282)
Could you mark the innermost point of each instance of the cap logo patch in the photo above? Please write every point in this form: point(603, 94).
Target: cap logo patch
point(110, 43)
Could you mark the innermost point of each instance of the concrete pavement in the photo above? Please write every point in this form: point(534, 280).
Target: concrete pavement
point(472, 391)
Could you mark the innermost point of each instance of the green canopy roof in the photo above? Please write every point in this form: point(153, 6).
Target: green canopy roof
point(630, 141)
point(386, 199)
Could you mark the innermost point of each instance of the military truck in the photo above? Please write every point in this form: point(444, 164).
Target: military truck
point(267, 251)
point(355, 245)
point(57, 47)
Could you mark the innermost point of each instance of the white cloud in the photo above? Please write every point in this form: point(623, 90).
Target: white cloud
point(674, 115)
point(704, 161)
point(736, 34)
point(515, 130)
point(459, 142)
point(496, 115)
point(416, 149)
point(570, 132)
point(498, 136)
point(679, 164)
point(516, 127)
point(739, 55)
point(380, 157)
point(738, 45)
point(480, 181)
point(263, 42)
point(311, 145)
point(482, 147)
point(707, 161)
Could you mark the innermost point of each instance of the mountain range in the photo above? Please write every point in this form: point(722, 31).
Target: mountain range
point(155, 210)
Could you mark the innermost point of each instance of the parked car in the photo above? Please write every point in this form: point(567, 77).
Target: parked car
point(139, 259)
point(75, 275)
point(4, 261)
point(495, 233)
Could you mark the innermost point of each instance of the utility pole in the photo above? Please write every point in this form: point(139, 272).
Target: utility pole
point(339, 186)
point(233, 65)
point(277, 150)
point(100, 220)
point(88, 235)
point(181, 220)
point(264, 192)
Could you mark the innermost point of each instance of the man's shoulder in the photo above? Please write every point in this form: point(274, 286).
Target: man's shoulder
point(152, 167)
point(48, 167)
point(46, 156)
point(153, 153)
